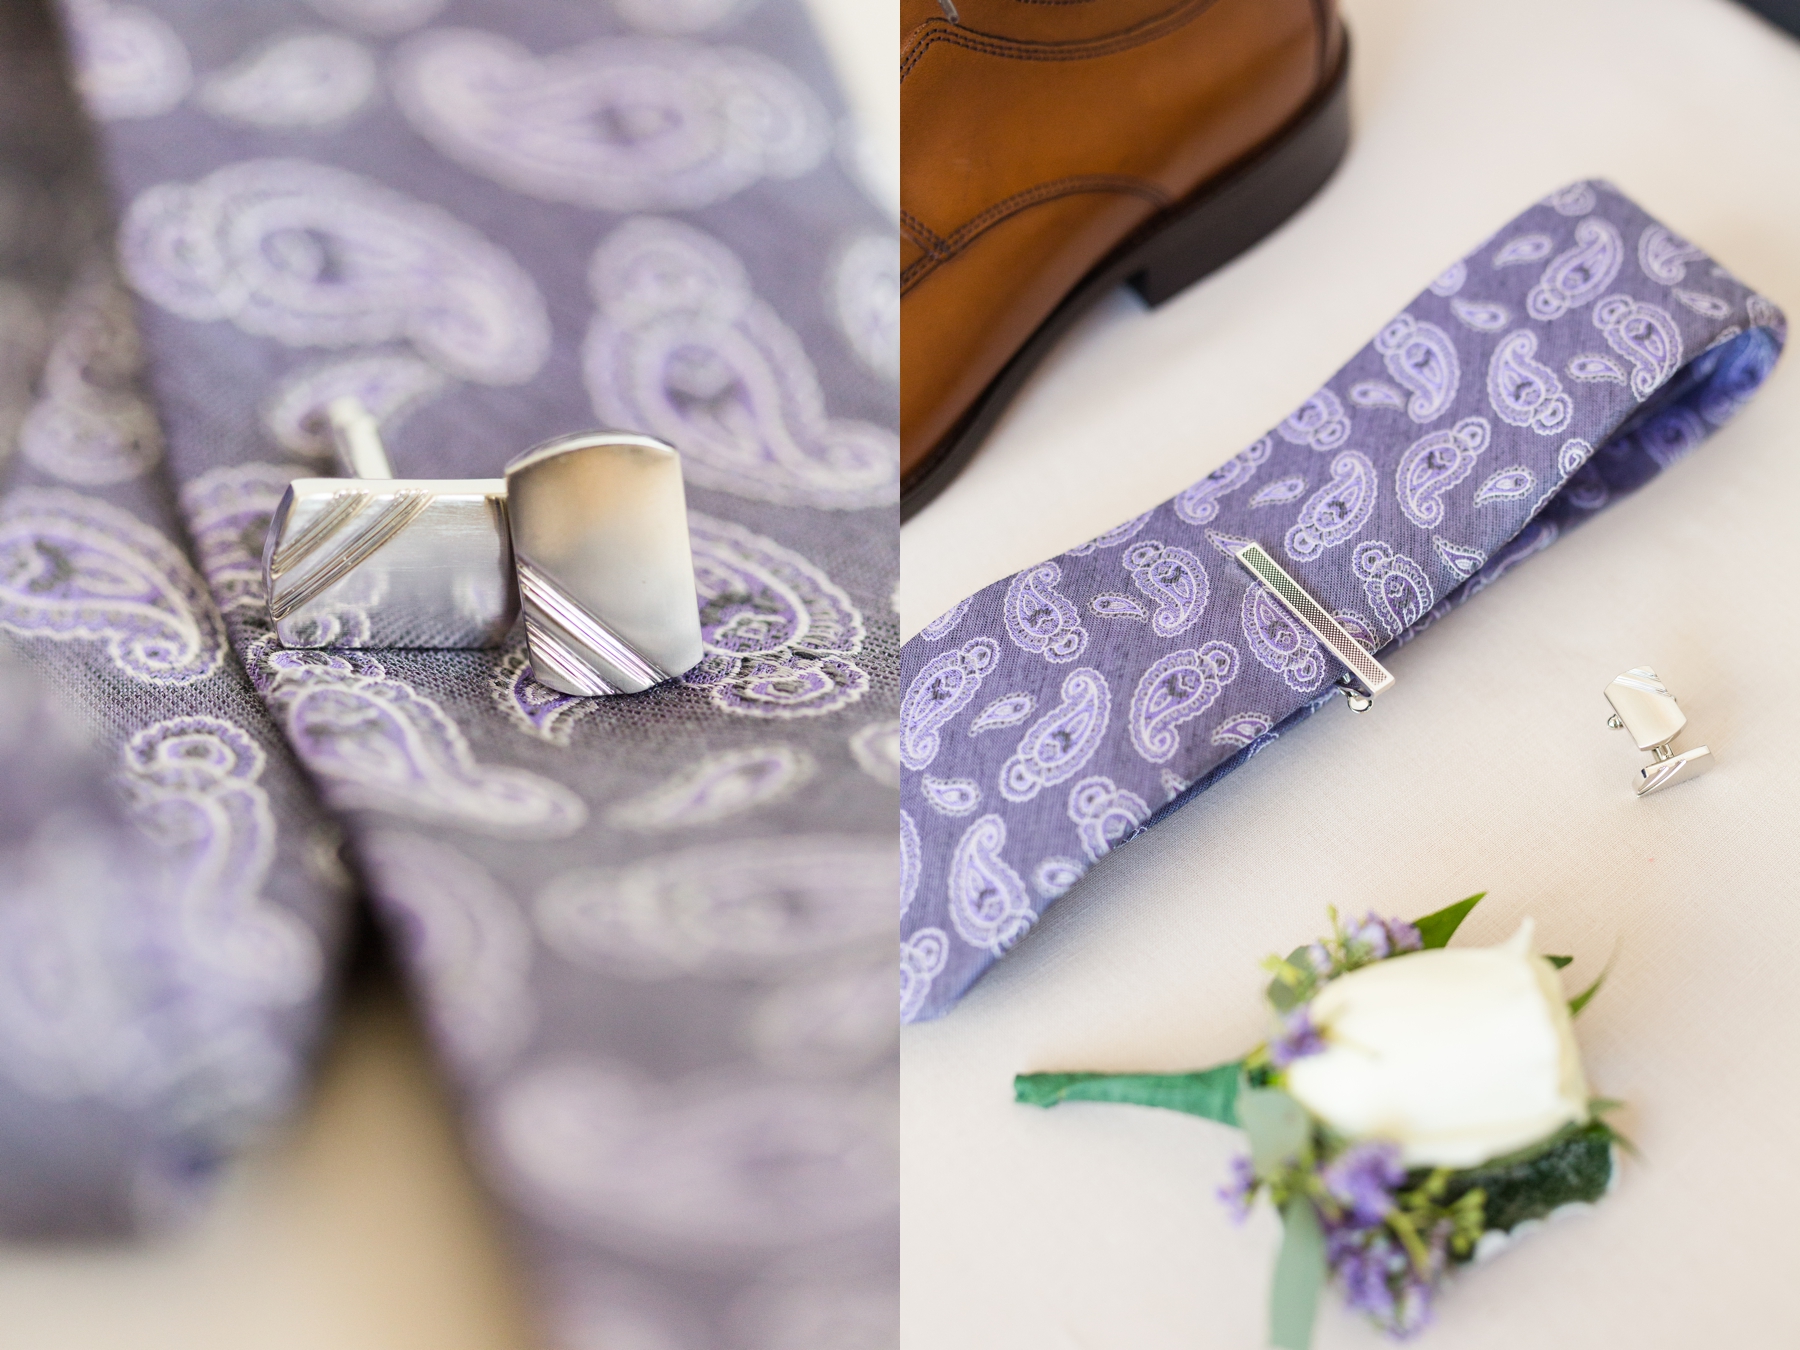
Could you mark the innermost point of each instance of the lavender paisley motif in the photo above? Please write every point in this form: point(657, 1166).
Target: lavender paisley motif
point(1280, 644)
point(1334, 513)
point(1375, 394)
point(1280, 492)
point(1434, 464)
point(1006, 711)
point(942, 626)
point(1523, 249)
point(190, 784)
point(911, 862)
point(1450, 280)
point(73, 568)
point(1422, 358)
point(876, 749)
point(1228, 544)
point(1105, 815)
point(1173, 580)
point(1039, 620)
point(1644, 335)
point(779, 634)
point(1578, 274)
point(720, 786)
point(1244, 729)
point(942, 689)
point(1117, 535)
point(311, 255)
point(988, 905)
point(1396, 585)
point(534, 708)
point(378, 744)
point(1664, 256)
point(1177, 689)
point(951, 796)
point(1112, 605)
point(682, 347)
point(1462, 560)
point(1525, 392)
point(1358, 628)
point(1506, 486)
point(1319, 423)
point(1199, 504)
point(1060, 742)
point(727, 909)
point(922, 959)
point(1708, 306)
point(1481, 315)
point(1592, 368)
point(1575, 200)
point(1572, 455)
point(618, 124)
point(1053, 876)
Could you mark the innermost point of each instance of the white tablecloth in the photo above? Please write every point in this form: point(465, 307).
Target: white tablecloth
point(1489, 766)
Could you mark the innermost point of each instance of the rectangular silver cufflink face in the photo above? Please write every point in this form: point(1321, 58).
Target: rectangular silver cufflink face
point(375, 562)
point(606, 575)
point(1647, 709)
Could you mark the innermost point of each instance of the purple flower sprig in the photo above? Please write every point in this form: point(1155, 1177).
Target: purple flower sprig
point(1351, 946)
point(1389, 1238)
point(1298, 1037)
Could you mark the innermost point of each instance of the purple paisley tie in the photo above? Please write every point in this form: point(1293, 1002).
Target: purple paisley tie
point(1056, 714)
point(650, 934)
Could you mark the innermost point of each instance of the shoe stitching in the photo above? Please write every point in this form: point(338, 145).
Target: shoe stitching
point(941, 248)
point(942, 30)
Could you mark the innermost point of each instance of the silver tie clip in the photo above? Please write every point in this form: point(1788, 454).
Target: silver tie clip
point(589, 531)
point(1643, 706)
point(1365, 678)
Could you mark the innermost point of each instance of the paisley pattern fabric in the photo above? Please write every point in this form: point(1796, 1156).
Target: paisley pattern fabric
point(492, 225)
point(1558, 367)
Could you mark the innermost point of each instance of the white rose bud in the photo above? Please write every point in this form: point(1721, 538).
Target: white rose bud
point(1456, 1055)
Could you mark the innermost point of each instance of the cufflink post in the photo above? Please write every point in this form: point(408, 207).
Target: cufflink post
point(1643, 706)
point(356, 440)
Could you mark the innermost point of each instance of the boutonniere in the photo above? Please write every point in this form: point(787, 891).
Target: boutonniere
point(1415, 1108)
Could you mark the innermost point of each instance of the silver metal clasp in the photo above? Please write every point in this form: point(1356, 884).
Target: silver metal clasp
point(1643, 706)
point(1365, 678)
point(590, 530)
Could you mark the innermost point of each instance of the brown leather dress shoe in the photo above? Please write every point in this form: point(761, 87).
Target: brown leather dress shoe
point(1052, 149)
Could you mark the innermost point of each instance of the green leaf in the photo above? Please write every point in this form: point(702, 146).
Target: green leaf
point(1211, 1093)
point(1560, 961)
point(1278, 1127)
point(1582, 999)
point(1293, 982)
point(1299, 1275)
point(1435, 930)
point(1574, 1164)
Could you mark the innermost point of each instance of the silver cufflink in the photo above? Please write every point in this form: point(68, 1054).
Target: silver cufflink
point(586, 535)
point(1643, 706)
point(1365, 678)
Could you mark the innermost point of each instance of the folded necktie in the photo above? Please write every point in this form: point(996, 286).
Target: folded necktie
point(1058, 713)
point(649, 932)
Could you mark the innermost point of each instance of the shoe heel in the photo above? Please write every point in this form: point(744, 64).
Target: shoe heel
point(1204, 233)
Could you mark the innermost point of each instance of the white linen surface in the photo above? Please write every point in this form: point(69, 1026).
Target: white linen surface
point(1489, 766)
